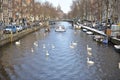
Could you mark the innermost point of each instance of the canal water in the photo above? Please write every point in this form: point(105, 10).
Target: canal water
point(58, 56)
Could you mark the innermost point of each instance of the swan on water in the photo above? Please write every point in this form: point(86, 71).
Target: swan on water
point(89, 53)
point(88, 48)
point(17, 42)
point(119, 65)
point(71, 45)
point(32, 50)
point(36, 44)
point(44, 46)
point(89, 62)
point(47, 54)
point(74, 43)
point(53, 46)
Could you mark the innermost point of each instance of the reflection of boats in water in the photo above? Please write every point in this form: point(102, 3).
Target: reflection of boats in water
point(100, 38)
point(60, 29)
point(117, 48)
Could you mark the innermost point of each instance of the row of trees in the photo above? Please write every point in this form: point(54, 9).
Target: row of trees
point(45, 10)
point(36, 10)
point(96, 10)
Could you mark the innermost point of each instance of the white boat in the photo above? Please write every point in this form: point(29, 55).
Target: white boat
point(100, 38)
point(84, 30)
point(60, 29)
point(117, 48)
point(89, 32)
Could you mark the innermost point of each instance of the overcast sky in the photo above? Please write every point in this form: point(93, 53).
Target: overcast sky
point(65, 4)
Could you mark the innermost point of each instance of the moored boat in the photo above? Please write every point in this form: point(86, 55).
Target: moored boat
point(97, 37)
point(84, 30)
point(115, 40)
point(60, 29)
point(117, 48)
point(89, 32)
point(100, 38)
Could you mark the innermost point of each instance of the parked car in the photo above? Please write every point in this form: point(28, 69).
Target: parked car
point(9, 29)
point(19, 28)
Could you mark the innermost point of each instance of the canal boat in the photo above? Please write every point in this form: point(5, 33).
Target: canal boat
point(117, 48)
point(60, 29)
point(84, 30)
point(115, 40)
point(89, 32)
point(97, 37)
point(100, 39)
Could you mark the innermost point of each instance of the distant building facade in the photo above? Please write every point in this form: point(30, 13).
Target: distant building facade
point(5, 11)
point(12, 10)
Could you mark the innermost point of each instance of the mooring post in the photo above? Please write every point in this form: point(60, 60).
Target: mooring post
point(11, 36)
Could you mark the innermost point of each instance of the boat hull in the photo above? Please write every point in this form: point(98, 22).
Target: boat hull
point(60, 29)
point(100, 39)
point(115, 41)
point(57, 30)
point(117, 48)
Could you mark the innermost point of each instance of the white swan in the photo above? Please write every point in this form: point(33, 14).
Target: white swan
point(47, 54)
point(89, 53)
point(44, 46)
point(74, 43)
point(53, 46)
point(36, 44)
point(88, 48)
point(89, 62)
point(119, 65)
point(71, 45)
point(17, 42)
point(32, 50)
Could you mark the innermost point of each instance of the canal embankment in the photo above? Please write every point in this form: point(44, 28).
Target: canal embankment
point(8, 38)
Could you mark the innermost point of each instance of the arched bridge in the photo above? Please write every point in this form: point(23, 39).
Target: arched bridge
point(66, 20)
point(57, 20)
